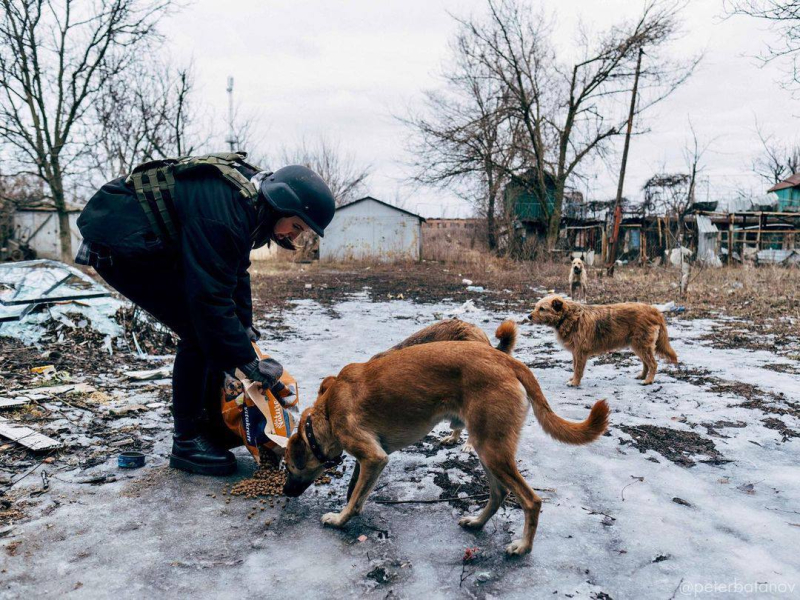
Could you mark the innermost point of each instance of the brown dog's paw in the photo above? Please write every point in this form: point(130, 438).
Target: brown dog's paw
point(470, 523)
point(571, 383)
point(449, 440)
point(517, 548)
point(333, 519)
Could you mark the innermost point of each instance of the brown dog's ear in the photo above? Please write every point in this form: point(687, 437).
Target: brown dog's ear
point(297, 452)
point(326, 383)
point(557, 304)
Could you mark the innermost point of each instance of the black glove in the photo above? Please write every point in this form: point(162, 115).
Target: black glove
point(253, 334)
point(267, 371)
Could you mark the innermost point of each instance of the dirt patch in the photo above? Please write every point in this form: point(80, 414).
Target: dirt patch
point(713, 428)
point(675, 445)
point(756, 398)
point(783, 368)
point(614, 358)
point(428, 446)
point(81, 356)
point(472, 481)
point(786, 432)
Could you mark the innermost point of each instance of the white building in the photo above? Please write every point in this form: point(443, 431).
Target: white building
point(371, 229)
point(38, 227)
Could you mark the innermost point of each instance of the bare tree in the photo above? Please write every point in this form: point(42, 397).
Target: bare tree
point(777, 161)
point(338, 168)
point(673, 194)
point(146, 114)
point(464, 136)
point(55, 59)
point(571, 112)
point(784, 18)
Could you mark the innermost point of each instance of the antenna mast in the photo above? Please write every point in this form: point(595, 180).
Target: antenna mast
point(231, 139)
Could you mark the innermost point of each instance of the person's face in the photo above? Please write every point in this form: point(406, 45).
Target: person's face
point(288, 228)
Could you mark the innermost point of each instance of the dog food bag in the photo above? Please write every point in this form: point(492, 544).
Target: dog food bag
point(263, 419)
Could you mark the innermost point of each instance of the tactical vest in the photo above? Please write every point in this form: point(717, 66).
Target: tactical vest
point(154, 184)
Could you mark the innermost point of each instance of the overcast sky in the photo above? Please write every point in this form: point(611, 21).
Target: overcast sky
point(342, 69)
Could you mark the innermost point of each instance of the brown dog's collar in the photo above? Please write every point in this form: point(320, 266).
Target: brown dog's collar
point(316, 450)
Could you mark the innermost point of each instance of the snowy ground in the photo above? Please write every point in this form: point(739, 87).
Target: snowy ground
point(716, 504)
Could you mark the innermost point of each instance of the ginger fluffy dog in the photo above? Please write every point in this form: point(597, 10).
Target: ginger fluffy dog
point(455, 330)
point(587, 330)
point(375, 408)
point(578, 279)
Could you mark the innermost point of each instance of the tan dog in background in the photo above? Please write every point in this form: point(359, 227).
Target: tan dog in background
point(587, 330)
point(375, 408)
point(578, 279)
point(455, 330)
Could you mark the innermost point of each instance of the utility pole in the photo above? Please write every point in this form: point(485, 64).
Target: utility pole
point(612, 259)
point(231, 139)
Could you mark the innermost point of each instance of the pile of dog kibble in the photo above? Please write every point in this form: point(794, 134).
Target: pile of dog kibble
point(268, 480)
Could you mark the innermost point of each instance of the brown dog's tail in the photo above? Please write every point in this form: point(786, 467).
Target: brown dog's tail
point(556, 427)
point(507, 334)
point(662, 344)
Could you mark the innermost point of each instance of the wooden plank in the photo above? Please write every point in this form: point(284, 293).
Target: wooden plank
point(6, 403)
point(67, 388)
point(33, 440)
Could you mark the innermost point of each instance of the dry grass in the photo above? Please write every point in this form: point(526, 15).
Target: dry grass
point(766, 300)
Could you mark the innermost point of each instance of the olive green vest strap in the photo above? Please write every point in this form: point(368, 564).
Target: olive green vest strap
point(155, 179)
point(138, 186)
point(242, 183)
point(155, 189)
point(170, 183)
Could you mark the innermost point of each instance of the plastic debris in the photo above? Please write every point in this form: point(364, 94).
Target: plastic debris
point(149, 375)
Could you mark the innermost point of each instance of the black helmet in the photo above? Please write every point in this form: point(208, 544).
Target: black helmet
point(297, 191)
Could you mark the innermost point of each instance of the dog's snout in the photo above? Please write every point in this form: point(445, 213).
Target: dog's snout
point(294, 488)
point(291, 491)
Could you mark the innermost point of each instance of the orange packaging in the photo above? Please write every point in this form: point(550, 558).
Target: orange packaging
point(256, 416)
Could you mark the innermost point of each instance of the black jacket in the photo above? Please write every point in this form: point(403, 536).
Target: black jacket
point(215, 224)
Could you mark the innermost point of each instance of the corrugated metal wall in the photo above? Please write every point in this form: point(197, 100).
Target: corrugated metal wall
point(43, 226)
point(371, 230)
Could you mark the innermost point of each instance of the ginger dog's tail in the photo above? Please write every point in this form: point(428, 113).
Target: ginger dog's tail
point(662, 344)
point(560, 429)
point(507, 334)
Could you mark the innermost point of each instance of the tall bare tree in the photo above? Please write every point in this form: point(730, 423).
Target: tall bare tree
point(464, 135)
point(570, 111)
point(777, 160)
point(55, 59)
point(146, 114)
point(338, 168)
point(674, 193)
point(784, 18)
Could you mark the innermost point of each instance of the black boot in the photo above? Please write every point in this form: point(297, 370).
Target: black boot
point(198, 455)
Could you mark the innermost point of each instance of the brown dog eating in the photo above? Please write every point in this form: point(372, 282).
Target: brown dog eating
point(588, 329)
point(455, 330)
point(375, 408)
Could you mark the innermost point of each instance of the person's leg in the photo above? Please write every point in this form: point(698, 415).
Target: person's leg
point(156, 286)
point(188, 388)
